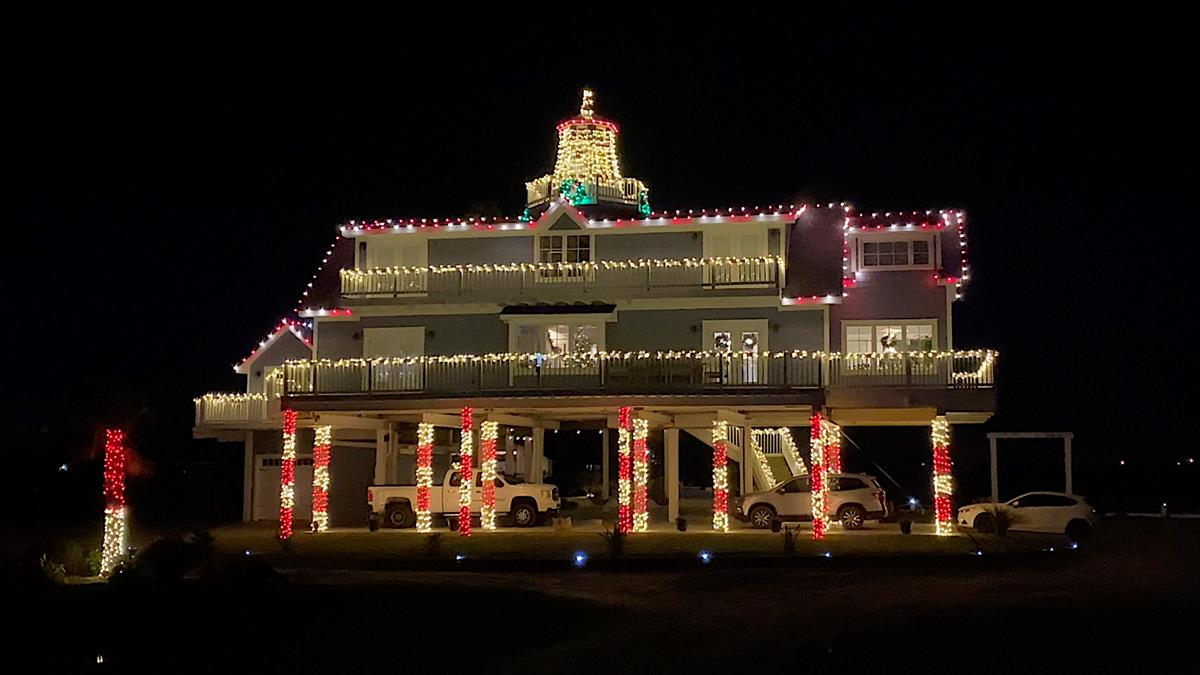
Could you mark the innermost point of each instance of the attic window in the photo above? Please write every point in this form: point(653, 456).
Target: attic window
point(896, 253)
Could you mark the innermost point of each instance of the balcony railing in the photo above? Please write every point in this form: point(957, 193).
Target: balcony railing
point(622, 191)
point(565, 279)
point(640, 372)
point(235, 409)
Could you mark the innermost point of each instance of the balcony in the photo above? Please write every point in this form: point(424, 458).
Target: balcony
point(237, 410)
point(564, 281)
point(624, 191)
point(665, 373)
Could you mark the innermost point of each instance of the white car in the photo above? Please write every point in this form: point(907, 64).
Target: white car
point(1055, 512)
point(853, 499)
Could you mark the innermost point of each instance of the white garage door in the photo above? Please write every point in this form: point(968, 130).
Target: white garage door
point(266, 488)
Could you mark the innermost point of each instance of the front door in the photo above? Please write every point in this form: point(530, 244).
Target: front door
point(743, 341)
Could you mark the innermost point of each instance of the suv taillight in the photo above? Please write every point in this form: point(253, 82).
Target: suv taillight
point(370, 495)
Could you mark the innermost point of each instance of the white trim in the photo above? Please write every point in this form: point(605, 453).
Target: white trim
point(244, 367)
point(632, 226)
point(951, 291)
point(604, 317)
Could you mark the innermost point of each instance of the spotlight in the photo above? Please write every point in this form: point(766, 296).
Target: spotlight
point(705, 557)
point(580, 558)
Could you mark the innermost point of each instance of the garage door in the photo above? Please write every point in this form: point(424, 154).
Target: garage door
point(266, 488)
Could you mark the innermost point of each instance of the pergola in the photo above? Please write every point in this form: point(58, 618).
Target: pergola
point(995, 436)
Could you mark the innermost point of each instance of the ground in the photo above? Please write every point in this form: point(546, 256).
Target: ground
point(1126, 600)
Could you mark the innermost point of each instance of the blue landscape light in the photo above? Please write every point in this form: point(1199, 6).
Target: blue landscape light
point(580, 558)
point(705, 557)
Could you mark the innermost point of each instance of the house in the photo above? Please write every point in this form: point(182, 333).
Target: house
point(760, 319)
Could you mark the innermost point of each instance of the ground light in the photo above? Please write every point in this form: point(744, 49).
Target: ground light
point(828, 554)
point(705, 557)
point(459, 557)
point(579, 559)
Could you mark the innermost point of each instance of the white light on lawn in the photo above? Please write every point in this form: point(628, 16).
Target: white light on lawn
point(580, 558)
point(705, 557)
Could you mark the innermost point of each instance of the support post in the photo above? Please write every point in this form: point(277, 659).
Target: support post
point(537, 459)
point(720, 435)
point(818, 483)
point(1067, 463)
point(671, 472)
point(605, 488)
point(248, 475)
point(943, 479)
point(625, 470)
point(510, 453)
point(746, 468)
point(995, 472)
point(322, 445)
point(641, 475)
point(287, 475)
point(382, 454)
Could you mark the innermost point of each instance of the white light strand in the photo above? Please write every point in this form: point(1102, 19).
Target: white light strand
point(641, 475)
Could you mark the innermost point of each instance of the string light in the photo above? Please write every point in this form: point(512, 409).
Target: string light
point(467, 487)
point(322, 443)
point(624, 469)
point(763, 464)
point(943, 479)
point(720, 434)
point(115, 526)
point(816, 476)
point(641, 475)
point(831, 438)
point(487, 469)
point(424, 475)
point(287, 475)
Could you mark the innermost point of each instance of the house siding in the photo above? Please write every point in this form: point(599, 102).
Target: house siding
point(662, 245)
point(681, 329)
point(287, 348)
point(444, 335)
point(891, 295)
point(481, 251)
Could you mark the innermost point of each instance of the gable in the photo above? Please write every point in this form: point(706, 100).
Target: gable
point(565, 222)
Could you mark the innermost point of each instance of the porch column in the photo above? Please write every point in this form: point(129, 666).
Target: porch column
point(995, 473)
point(510, 453)
point(605, 490)
point(943, 481)
point(322, 445)
point(670, 472)
point(537, 458)
point(382, 455)
point(747, 470)
point(248, 471)
point(1067, 462)
point(816, 475)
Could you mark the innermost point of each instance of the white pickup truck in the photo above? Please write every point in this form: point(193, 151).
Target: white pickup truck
point(524, 503)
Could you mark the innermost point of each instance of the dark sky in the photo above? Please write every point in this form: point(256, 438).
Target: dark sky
point(175, 188)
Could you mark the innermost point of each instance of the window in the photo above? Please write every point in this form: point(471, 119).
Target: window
point(558, 339)
point(1042, 500)
point(798, 484)
point(889, 337)
point(564, 248)
point(896, 253)
point(844, 483)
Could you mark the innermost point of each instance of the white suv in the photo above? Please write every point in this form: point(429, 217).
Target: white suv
point(853, 499)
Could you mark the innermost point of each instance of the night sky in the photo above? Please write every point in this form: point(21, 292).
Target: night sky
point(175, 190)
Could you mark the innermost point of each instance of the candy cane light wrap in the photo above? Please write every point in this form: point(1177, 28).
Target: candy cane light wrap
point(287, 475)
point(115, 530)
point(816, 476)
point(625, 469)
point(467, 487)
point(487, 468)
point(641, 475)
point(424, 475)
point(943, 479)
point(720, 435)
point(322, 441)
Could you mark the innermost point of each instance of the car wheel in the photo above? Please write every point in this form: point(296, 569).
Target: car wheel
point(852, 516)
point(1079, 530)
point(524, 514)
point(984, 523)
point(400, 516)
point(761, 516)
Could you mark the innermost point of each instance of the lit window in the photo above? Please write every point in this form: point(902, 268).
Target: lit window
point(887, 338)
point(896, 253)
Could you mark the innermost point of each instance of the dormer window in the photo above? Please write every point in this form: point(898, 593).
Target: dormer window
point(568, 248)
point(891, 252)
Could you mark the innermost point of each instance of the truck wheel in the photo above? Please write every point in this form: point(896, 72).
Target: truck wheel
point(400, 516)
point(524, 514)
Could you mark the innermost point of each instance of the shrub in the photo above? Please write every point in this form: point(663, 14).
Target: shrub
point(615, 539)
point(789, 534)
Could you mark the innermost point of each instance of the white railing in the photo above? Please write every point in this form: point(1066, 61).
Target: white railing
point(221, 408)
point(567, 279)
point(780, 442)
point(623, 190)
point(659, 372)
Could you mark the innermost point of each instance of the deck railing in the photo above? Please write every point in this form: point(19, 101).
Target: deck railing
point(623, 191)
point(566, 279)
point(641, 372)
point(226, 408)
